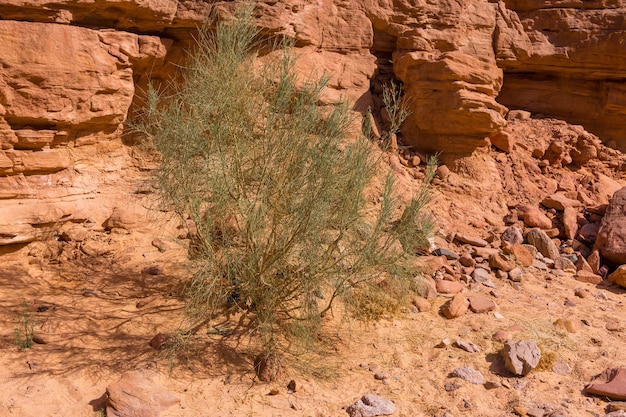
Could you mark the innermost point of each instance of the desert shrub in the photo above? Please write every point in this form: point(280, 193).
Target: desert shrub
point(24, 330)
point(275, 190)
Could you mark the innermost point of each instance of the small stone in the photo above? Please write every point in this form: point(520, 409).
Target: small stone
point(449, 287)
point(379, 376)
point(471, 240)
point(613, 326)
point(445, 252)
point(501, 336)
point(422, 304)
point(371, 405)
point(515, 275)
point(498, 316)
point(512, 235)
point(588, 277)
point(468, 374)
point(138, 393)
point(159, 244)
point(267, 367)
point(582, 293)
point(467, 261)
point(616, 406)
point(480, 303)
point(520, 357)
point(559, 201)
point(569, 303)
point(291, 386)
point(523, 255)
point(160, 340)
point(539, 239)
point(501, 262)
point(533, 217)
point(466, 346)
point(561, 368)
point(503, 141)
point(273, 391)
point(610, 383)
point(618, 276)
point(444, 343)
point(451, 386)
point(443, 172)
point(563, 264)
point(481, 275)
point(493, 385)
point(455, 307)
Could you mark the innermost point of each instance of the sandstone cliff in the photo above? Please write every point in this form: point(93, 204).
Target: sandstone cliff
point(72, 71)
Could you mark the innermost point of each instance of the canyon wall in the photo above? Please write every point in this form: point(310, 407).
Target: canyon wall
point(71, 72)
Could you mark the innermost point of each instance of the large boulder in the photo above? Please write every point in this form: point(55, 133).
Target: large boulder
point(611, 239)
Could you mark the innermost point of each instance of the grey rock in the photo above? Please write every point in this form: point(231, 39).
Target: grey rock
point(513, 235)
point(371, 405)
point(481, 275)
point(520, 357)
point(138, 394)
point(466, 346)
point(445, 252)
point(468, 374)
point(539, 239)
point(515, 274)
point(619, 413)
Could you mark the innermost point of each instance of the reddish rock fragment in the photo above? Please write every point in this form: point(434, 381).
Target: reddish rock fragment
point(611, 383)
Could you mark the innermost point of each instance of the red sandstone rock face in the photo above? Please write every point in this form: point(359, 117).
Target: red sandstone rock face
point(70, 73)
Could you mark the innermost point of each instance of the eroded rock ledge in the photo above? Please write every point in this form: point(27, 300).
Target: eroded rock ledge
point(71, 72)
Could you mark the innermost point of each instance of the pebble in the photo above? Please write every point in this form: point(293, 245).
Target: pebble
point(468, 374)
point(466, 346)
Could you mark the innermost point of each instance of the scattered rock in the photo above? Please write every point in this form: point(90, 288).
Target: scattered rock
point(471, 240)
point(467, 261)
point(160, 340)
point(445, 252)
point(267, 367)
point(468, 374)
point(523, 255)
point(425, 286)
point(611, 238)
point(480, 303)
point(540, 240)
point(138, 394)
point(481, 275)
point(570, 223)
point(588, 277)
point(561, 368)
point(512, 235)
point(501, 262)
point(503, 141)
point(379, 376)
point(455, 307)
point(520, 357)
point(564, 264)
point(610, 383)
point(422, 304)
point(371, 405)
point(533, 217)
point(159, 244)
point(449, 287)
point(466, 346)
point(515, 275)
point(559, 201)
point(618, 276)
point(291, 386)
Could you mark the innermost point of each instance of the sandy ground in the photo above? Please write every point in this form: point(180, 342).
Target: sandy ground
point(102, 312)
